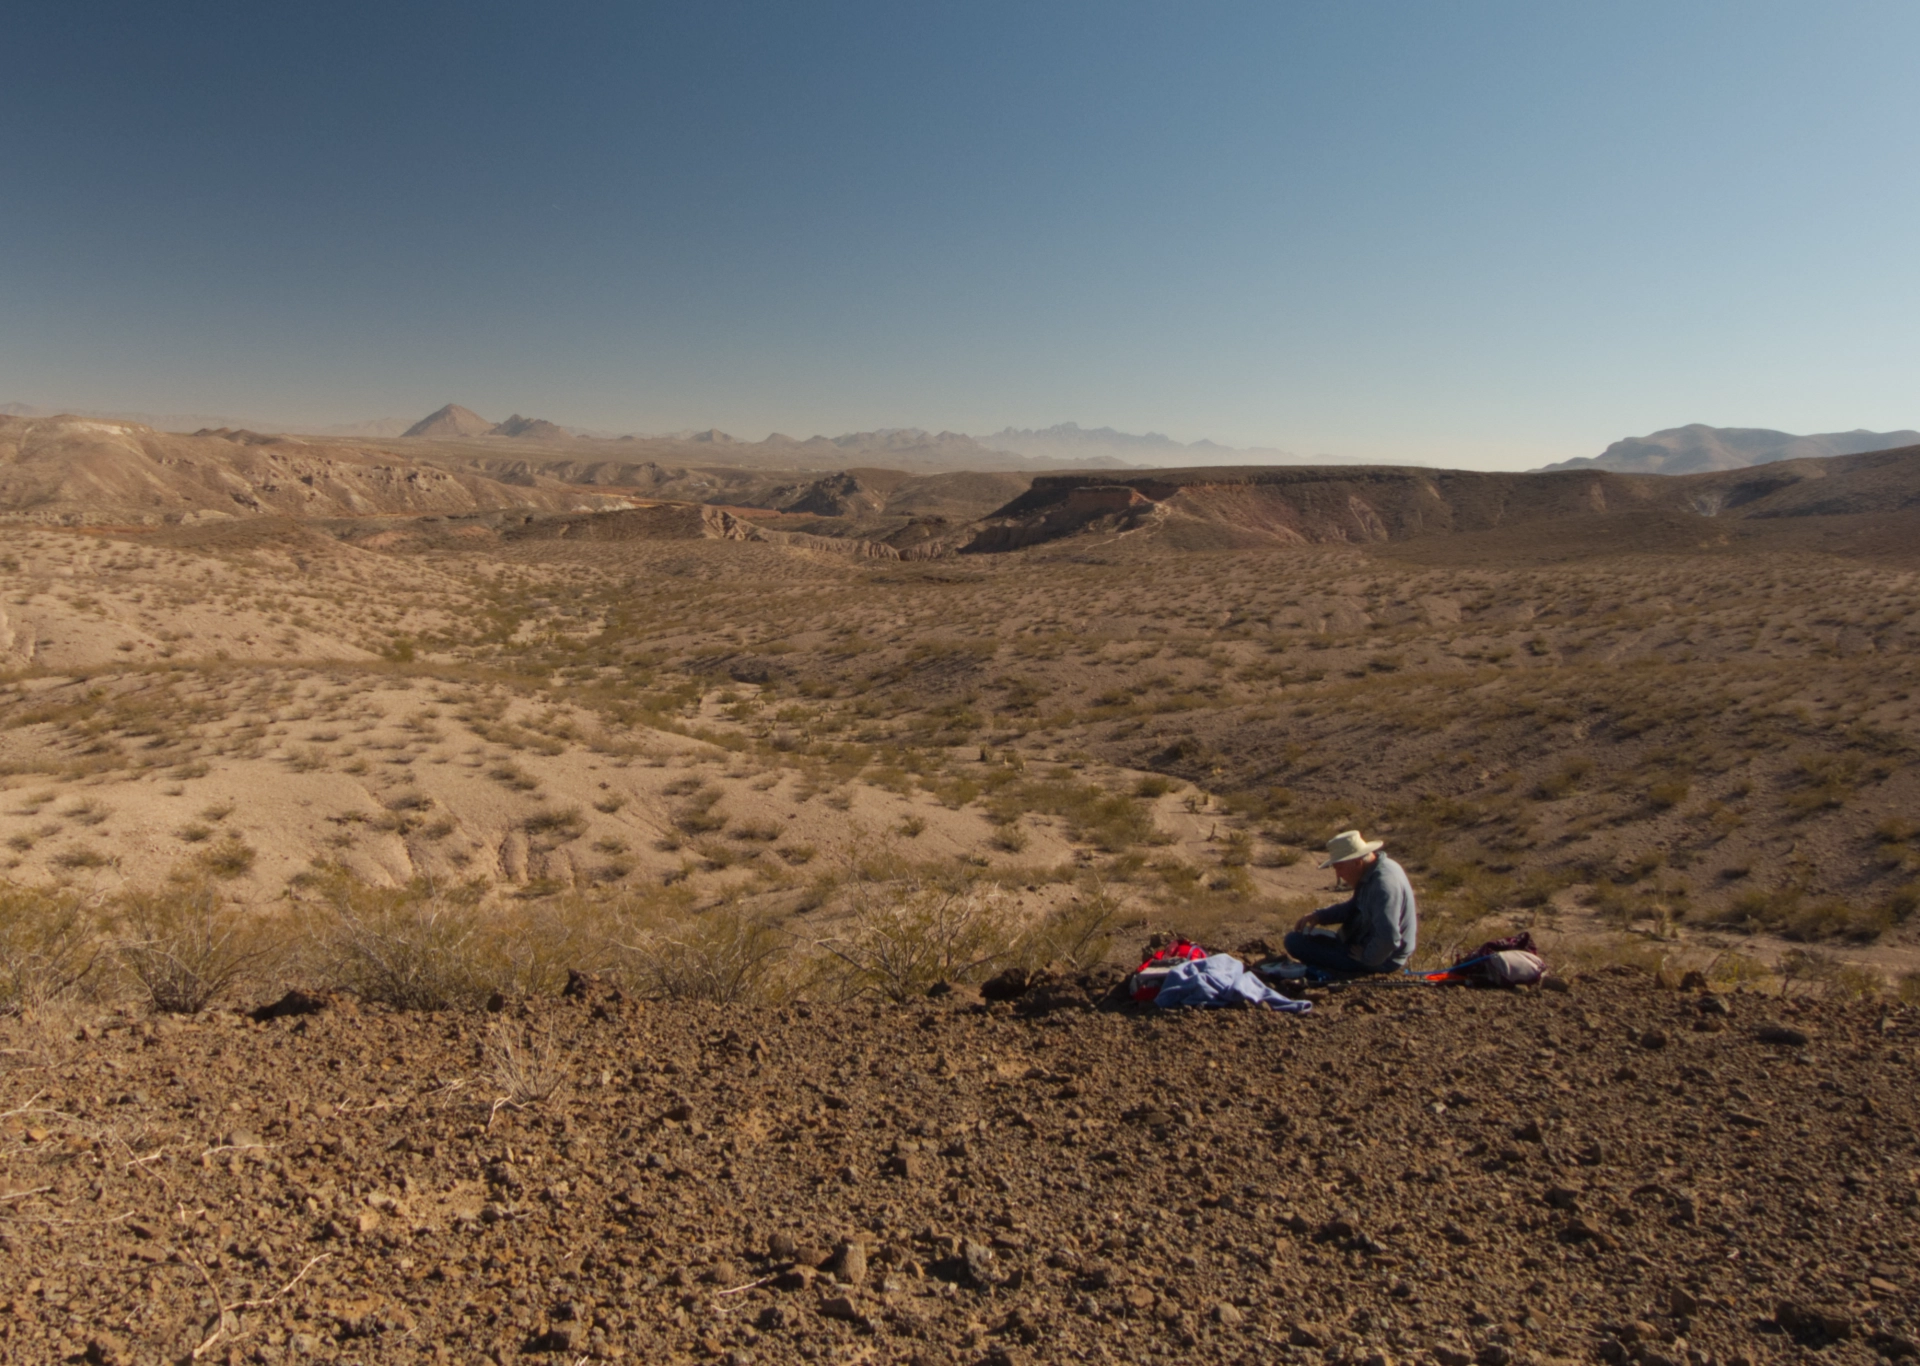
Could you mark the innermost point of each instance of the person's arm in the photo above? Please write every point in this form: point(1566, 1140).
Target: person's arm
point(1335, 914)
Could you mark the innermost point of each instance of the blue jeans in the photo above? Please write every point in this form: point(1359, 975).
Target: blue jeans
point(1322, 949)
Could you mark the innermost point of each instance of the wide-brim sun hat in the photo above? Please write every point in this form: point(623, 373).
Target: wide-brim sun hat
point(1350, 844)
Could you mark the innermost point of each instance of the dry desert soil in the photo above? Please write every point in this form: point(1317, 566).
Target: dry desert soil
point(1610, 1172)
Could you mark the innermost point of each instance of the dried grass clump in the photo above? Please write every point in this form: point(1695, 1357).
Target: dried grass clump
point(1075, 937)
point(404, 947)
point(49, 948)
point(726, 955)
point(186, 945)
point(901, 938)
point(523, 1074)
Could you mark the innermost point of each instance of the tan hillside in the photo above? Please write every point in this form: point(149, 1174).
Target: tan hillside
point(80, 471)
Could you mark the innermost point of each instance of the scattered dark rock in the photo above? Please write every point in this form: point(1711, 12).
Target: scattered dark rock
point(843, 1308)
point(850, 1263)
point(1785, 1035)
point(1810, 1323)
point(296, 1002)
point(1008, 985)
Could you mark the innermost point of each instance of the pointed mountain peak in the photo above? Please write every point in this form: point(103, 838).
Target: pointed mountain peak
point(452, 420)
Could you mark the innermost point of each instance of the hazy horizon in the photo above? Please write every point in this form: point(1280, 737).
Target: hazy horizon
point(1485, 237)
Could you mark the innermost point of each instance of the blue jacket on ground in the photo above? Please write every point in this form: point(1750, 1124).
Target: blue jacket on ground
point(1379, 923)
point(1221, 980)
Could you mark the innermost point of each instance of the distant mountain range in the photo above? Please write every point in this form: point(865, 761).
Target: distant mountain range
point(455, 421)
point(1070, 442)
point(1700, 449)
point(1693, 449)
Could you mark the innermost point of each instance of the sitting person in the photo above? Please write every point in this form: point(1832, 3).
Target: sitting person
point(1375, 929)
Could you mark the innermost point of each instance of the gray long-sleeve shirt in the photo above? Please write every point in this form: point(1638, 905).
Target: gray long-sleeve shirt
point(1379, 923)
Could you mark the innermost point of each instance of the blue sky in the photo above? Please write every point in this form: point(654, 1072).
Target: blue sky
point(1487, 235)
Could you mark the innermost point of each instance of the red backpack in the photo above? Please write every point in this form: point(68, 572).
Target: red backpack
point(1148, 976)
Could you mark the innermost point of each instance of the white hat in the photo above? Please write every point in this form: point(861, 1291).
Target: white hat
point(1350, 844)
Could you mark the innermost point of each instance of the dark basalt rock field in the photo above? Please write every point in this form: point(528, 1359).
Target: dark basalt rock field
point(1612, 1172)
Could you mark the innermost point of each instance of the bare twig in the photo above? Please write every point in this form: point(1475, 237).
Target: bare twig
point(227, 1323)
point(748, 1286)
point(21, 1195)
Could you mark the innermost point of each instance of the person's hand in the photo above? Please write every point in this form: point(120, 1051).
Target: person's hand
point(1304, 923)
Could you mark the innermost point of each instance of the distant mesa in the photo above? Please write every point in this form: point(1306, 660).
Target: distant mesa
point(452, 420)
point(1700, 449)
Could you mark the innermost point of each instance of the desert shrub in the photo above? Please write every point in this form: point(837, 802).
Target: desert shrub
point(1010, 838)
point(1902, 903)
point(1563, 780)
point(522, 1074)
point(1786, 911)
point(717, 854)
point(405, 947)
point(49, 948)
point(1894, 830)
point(726, 955)
point(1665, 795)
point(1077, 936)
point(566, 823)
point(1153, 785)
point(1909, 989)
point(696, 815)
point(902, 938)
point(1109, 821)
point(1850, 982)
point(232, 857)
point(185, 945)
point(81, 858)
point(1735, 969)
point(1823, 783)
point(1280, 856)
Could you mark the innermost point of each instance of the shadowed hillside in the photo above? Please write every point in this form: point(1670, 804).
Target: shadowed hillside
point(1232, 507)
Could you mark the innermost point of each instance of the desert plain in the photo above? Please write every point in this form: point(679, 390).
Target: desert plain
point(482, 899)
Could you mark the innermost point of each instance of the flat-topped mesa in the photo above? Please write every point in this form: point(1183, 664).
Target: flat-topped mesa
point(1098, 499)
point(1294, 504)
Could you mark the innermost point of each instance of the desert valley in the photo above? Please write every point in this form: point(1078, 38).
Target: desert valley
point(491, 891)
